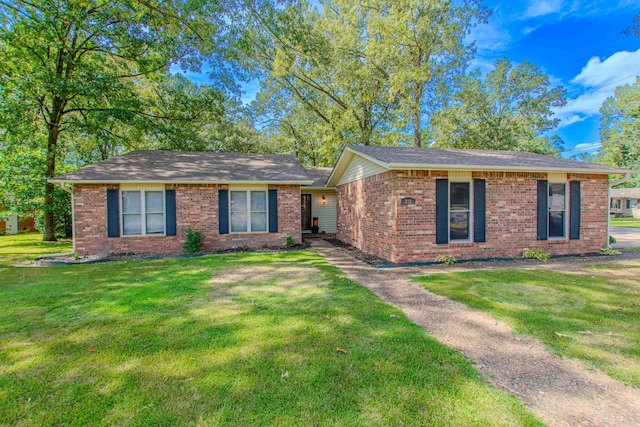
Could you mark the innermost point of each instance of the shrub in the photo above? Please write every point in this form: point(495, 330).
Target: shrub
point(290, 242)
point(612, 240)
point(609, 251)
point(539, 254)
point(193, 242)
point(446, 259)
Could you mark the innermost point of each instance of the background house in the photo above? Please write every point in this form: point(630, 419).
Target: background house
point(625, 202)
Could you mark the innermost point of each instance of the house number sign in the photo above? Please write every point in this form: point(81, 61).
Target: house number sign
point(407, 201)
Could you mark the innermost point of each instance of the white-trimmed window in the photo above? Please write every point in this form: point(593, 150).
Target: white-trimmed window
point(459, 211)
point(557, 209)
point(142, 212)
point(248, 211)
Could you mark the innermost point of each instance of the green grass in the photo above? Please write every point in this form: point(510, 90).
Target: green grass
point(22, 247)
point(241, 339)
point(625, 222)
point(604, 299)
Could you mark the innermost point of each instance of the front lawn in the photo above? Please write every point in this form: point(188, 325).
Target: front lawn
point(21, 247)
point(244, 339)
point(625, 222)
point(591, 315)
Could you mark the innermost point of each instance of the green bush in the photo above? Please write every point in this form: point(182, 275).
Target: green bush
point(612, 240)
point(609, 251)
point(446, 259)
point(539, 254)
point(193, 242)
point(289, 242)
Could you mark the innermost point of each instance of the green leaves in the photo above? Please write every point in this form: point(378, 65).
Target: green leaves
point(510, 109)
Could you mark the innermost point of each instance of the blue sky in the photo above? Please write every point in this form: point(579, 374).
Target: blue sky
point(578, 43)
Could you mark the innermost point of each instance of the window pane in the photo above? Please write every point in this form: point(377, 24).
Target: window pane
point(556, 224)
point(155, 223)
point(153, 201)
point(459, 196)
point(556, 197)
point(131, 201)
point(239, 201)
point(258, 201)
point(238, 222)
point(131, 224)
point(259, 221)
point(459, 226)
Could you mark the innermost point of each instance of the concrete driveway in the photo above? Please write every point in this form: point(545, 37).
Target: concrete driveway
point(626, 237)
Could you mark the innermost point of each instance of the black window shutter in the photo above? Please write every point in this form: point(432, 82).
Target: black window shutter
point(479, 210)
point(543, 209)
point(223, 211)
point(170, 212)
point(273, 211)
point(574, 210)
point(442, 211)
point(113, 213)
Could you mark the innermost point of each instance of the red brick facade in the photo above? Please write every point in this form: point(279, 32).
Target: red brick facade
point(24, 225)
point(371, 218)
point(196, 208)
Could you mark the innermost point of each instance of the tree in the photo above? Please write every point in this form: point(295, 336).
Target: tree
point(75, 66)
point(510, 109)
point(620, 129)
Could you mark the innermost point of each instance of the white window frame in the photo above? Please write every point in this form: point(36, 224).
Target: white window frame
point(248, 211)
point(143, 212)
point(470, 210)
point(565, 225)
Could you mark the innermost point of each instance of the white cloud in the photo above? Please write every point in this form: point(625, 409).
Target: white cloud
point(597, 81)
point(614, 69)
point(529, 30)
point(586, 147)
point(490, 38)
point(542, 7)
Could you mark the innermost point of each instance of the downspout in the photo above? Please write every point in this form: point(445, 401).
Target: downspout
point(73, 216)
point(625, 178)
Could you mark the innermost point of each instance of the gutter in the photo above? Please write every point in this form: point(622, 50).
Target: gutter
point(73, 216)
point(625, 178)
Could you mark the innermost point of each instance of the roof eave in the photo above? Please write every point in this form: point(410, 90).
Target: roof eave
point(121, 181)
point(343, 161)
point(423, 166)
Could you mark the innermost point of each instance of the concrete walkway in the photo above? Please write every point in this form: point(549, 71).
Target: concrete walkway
point(560, 391)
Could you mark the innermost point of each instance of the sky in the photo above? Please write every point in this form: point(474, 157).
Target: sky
point(577, 43)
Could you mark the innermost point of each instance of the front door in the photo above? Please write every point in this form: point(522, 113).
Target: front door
point(305, 211)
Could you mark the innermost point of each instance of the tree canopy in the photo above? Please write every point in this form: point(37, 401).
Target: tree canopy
point(620, 129)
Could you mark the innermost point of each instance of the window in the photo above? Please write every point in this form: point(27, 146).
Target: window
point(557, 209)
point(628, 203)
point(142, 213)
point(459, 211)
point(248, 211)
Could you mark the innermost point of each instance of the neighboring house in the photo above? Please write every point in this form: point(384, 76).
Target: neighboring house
point(401, 204)
point(318, 204)
point(411, 205)
point(143, 201)
point(625, 202)
point(12, 224)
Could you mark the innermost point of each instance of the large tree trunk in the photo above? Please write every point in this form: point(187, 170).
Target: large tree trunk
point(49, 224)
point(417, 133)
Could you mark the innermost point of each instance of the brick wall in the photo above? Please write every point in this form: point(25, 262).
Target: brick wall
point(406, 233)
point(196, 208)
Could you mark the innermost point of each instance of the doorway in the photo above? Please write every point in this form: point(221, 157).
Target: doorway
point(305, 211)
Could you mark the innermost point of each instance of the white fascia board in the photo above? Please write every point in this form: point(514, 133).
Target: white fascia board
point(422, 166)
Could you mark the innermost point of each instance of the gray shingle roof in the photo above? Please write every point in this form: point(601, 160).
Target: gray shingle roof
point(478, 159)
point(192, 167)
point(319, 175)
point(626, 192)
